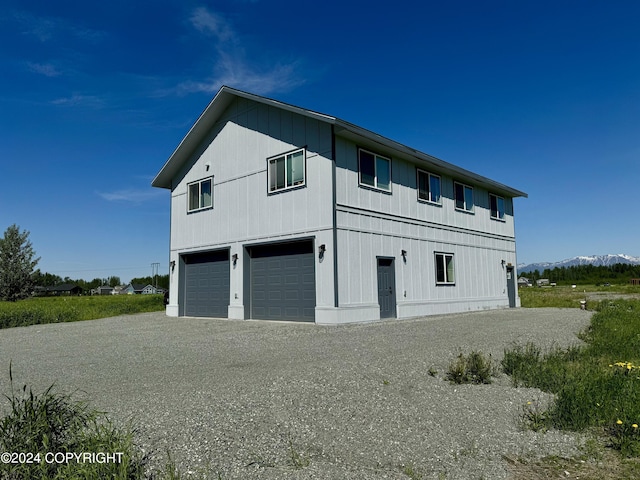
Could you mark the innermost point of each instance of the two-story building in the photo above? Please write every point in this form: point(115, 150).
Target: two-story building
point(278, 212)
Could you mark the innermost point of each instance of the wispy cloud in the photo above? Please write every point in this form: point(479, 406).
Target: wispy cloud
point(77, 100)
point(211, 23)
point(231, 66)
point(132, 195)
point(46, 69)
point(47, 28)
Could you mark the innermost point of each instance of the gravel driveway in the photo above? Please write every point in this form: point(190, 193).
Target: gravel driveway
point(270, 400)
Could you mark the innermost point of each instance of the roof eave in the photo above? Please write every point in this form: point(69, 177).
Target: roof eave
point(355, 132)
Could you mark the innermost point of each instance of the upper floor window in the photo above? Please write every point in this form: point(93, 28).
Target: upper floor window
point(428, 187)
point(375, 170)
point(497, 206)
point(463, 196)
point(200, 194)
point(286, 171)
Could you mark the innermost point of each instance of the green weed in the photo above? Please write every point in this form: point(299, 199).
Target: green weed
point(474, 368)
point(597, 386)
point(52, 423)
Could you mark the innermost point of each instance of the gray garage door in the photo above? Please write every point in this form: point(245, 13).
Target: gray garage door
point(207, 284)
point(283, 283)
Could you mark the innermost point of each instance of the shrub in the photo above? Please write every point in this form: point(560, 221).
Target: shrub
point(475, 368)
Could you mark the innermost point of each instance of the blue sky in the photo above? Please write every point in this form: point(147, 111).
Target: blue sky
point(95, 96)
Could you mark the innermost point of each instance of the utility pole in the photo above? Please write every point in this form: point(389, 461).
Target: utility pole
point(154, 273)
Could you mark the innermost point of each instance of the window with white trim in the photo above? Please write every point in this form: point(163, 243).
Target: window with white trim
point(286, 171)
point(463, 195)
point(428, 187)
point(200, 195)
point(445, 269)
point(497, 206)
point(375, 170)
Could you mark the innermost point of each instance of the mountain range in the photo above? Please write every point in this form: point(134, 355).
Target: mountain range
point(596, 260)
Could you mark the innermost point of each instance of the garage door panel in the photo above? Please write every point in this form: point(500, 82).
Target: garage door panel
point(207, 284)
point(283, 282)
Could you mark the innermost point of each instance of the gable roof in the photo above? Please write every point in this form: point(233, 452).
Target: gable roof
point(226, 95)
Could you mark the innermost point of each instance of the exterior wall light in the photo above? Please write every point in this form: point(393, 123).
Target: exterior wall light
point(321, 249)
point(172, 263)
point(404, 255)
point(234, 257)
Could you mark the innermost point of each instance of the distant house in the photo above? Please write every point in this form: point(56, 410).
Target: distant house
point(634, 281)
point(140, 289)
point(524, 282)
point(102, 290)
point(62, 289)
point(119, 290)
point(282, 213)
point(541, 282)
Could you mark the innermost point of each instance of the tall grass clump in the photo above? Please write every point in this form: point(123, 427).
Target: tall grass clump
point(53, 423)
point(472, 368)
point(596, 385)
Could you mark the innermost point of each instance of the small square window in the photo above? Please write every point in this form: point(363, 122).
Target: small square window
point(200, 195)
point(463, 197)
point(286, 171)
point(497, 207)
point(375, 170)
point(445, 271)
point(428, 187)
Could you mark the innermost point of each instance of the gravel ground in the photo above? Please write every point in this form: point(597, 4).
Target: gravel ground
point(271, 400)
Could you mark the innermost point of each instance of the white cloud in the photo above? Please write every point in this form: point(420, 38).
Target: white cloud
point(46, 28)
point(45, 69)
point(231, 66)
point(132, 195)
point(212, 24)
point(79, 101)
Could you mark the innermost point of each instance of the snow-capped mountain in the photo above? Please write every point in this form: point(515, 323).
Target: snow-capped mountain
point(597, 260)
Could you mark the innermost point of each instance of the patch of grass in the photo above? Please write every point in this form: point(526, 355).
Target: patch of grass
point(606, 466)
point(564, 296)
point(51, 422)
point(596, 386)
point(297, 459)
point(33, 311)
point(474, 368)
point(411, 472)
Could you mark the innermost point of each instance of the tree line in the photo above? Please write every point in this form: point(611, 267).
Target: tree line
point(45, 279)
point(617, 273)
point(18, 276)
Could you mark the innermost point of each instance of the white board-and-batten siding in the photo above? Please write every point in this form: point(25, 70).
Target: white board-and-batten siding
point(372, 223)
point(236, 153)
